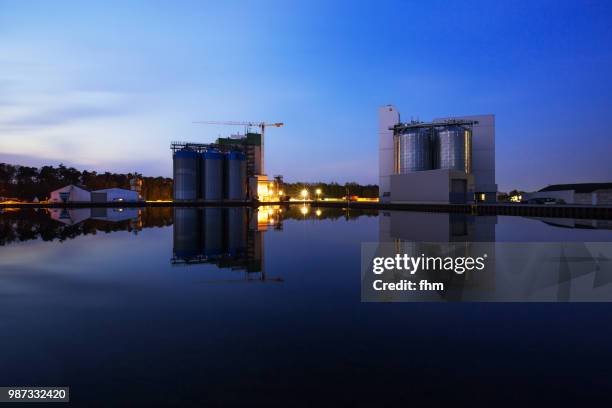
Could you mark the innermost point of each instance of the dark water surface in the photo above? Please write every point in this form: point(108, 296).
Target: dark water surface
point(232, 306)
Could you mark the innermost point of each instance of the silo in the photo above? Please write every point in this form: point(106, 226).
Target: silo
point(186, 174)
point(453, 148)
point(212, 175)
point(186, 233)
point(212, 231)
point(413, 150)
point(235, 176)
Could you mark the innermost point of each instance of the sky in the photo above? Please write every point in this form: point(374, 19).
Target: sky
point(108, 85)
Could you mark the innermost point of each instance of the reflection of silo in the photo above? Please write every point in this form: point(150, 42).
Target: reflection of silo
point(212, 231)
point(413, 150)
point(453, 148)
point(186, 175)
point(236, 230)
point(212, 175)
point(235, 176)
point(186, 232)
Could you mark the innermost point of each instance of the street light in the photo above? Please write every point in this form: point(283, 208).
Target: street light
point(304, 194)
point(318, 192)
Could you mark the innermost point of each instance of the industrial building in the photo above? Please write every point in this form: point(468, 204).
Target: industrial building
point(111, 195)
point(75, 194)
point(447, 160)
point(580, 193)
point(230, 169)
point(70, 194)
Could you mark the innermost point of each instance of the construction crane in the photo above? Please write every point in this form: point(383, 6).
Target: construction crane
point(261, 125)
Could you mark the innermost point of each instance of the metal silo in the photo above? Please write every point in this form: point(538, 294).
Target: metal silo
point(186, 233)
point(235, 176)
point(453, 148)
point(186, 174)
point(413, 150)
point(212, 175)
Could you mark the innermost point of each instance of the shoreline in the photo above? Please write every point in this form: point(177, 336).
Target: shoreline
point(523, 210)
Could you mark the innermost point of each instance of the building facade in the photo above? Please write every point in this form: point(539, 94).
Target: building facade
point(448, 160)
point(579, 193)
point(70, 194)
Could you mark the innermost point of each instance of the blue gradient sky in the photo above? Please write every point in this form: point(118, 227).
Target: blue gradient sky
point(107, 86)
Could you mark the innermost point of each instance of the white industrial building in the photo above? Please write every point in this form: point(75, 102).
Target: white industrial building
point(578, 193)
point(111, 195)
point(448, 160)
point(70, 194)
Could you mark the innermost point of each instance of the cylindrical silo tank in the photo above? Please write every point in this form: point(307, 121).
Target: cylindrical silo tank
point(453, 148)
point(186, 233)
point(413, 150)
point(212, 175)
point(235, 176)
point(186, 174)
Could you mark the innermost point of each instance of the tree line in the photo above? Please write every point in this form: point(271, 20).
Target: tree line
point(331, 190)
point(27, 183)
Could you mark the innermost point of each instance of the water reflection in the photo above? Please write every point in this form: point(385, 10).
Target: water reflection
point(227, 237)
point(63, 224)
point(577, 223)
point(538, 271)
point(73, 216)
point(402, 232)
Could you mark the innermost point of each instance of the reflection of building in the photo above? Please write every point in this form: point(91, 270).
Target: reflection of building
point(577, 223)
point(418, 233)
point(449, 160)
point(115, 214)
point(227, 237)
point(70, 216)
point(435, 227)
point(73, 216)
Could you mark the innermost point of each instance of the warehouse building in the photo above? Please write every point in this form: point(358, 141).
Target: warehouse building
point(580, 193)
point(447, 160)
point(75, 194)
point(70, 194)
point(111, 195)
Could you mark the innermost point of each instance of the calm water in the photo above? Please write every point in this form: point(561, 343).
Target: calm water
point(234, 306)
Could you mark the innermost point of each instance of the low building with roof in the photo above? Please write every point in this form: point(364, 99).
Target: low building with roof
point(577, 193)
point(70, 194)
point(113, 195)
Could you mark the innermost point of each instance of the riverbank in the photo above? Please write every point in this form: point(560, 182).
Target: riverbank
point(523, 210)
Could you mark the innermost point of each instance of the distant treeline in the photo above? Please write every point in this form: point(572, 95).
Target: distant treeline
point(332, 190)
point(26, 183)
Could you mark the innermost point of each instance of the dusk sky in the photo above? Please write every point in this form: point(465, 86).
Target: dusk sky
point(108, 86)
